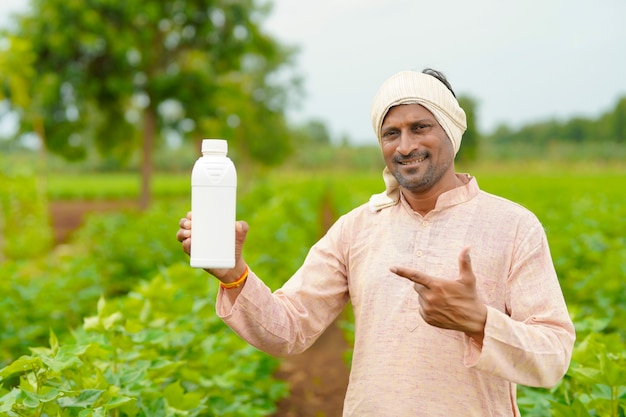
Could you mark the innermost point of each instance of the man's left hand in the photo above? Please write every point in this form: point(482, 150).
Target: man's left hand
point(450, 304)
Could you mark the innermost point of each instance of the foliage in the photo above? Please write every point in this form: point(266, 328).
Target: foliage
point(580, 206)
point(607, 128)
point(113, 186)
point(554, 151)
point(314, 132)
point(619, 121)
point(42, 295)
point(109, 255)
point(16, 71)
point(597, 377)
point(129, 246)
point(277, 221)
point(471, 137)
point(161, 350)
point(595, 384)
point(115, 75)
point(583, 216)
point(24, 229)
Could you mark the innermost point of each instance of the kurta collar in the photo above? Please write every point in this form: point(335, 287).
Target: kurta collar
point(458, 195)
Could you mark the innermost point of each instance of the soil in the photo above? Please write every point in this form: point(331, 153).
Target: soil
point(317, 378)
point(67, 216)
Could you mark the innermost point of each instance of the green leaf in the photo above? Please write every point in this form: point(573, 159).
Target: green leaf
point(8, 400)
point(133, 374)
point(91, 323)
point(613, 369)
point(85, 398)
point(174, 393)
point(101, 305)
point(30, 399)
point(23, 364)
point(66, 357)
point(86, 413)
point(54, 342)
point(48, 394)
point(110, 321)
point(587, 375)
point(118, 401)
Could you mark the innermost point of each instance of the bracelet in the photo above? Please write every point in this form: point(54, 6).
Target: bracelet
point(236, 284)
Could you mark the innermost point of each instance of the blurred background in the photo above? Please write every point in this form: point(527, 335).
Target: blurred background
point(104, 103)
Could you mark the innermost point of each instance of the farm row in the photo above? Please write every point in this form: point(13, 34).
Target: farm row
point(106, 323)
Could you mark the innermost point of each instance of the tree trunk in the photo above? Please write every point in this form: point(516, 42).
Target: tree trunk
point(149, 123)
point(42, 153)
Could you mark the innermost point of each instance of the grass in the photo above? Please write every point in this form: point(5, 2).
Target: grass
point(497, 177)
point(106, 186)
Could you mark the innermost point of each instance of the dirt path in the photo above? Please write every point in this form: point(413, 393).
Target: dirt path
point(318, 377)
point(67, 216)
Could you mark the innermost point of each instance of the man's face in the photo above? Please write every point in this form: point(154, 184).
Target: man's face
point(416, 149)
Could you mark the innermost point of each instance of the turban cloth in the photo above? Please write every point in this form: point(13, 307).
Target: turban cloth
point(411, 87)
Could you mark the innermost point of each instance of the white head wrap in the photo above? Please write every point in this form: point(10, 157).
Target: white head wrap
point(411, 87)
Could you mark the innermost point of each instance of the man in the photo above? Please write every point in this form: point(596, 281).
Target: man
point(454, 292)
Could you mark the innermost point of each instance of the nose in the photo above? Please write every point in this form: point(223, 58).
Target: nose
point(406, 143)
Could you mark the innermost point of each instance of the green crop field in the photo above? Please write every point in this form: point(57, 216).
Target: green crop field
point(90, 186)
point(113, 348)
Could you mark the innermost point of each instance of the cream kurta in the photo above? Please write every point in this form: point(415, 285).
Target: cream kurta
point(401, 365)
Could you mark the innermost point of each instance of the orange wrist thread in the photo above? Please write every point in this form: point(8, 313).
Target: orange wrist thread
point(235, 284)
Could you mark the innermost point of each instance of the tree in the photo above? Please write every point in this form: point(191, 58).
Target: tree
point(312, 132)
point(577, 130)
point(16, 71)
point(17, 78)
point(619, 121)
point(471, 137)
point(318, 132)
point(116, 75)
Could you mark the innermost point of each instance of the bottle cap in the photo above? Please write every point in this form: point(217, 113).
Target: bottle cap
point(214, 146)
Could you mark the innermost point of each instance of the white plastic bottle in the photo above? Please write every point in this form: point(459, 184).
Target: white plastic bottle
point(213, 207)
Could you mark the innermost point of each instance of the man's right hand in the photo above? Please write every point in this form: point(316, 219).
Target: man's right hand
point(225, 275)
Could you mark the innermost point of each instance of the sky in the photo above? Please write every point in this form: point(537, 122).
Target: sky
point(522, 61)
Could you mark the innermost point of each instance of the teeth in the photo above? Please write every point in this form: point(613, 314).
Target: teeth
point(412, 161)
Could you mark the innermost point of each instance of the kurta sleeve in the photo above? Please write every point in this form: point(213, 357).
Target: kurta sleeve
point(289, 320)
point(531, 342)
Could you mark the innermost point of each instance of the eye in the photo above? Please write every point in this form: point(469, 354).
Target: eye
point(389, 134)
point(421, 127)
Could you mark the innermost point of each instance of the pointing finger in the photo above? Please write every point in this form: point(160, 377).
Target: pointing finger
point(413, 275)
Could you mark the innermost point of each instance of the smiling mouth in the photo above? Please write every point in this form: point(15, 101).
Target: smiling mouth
point(411, 161)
